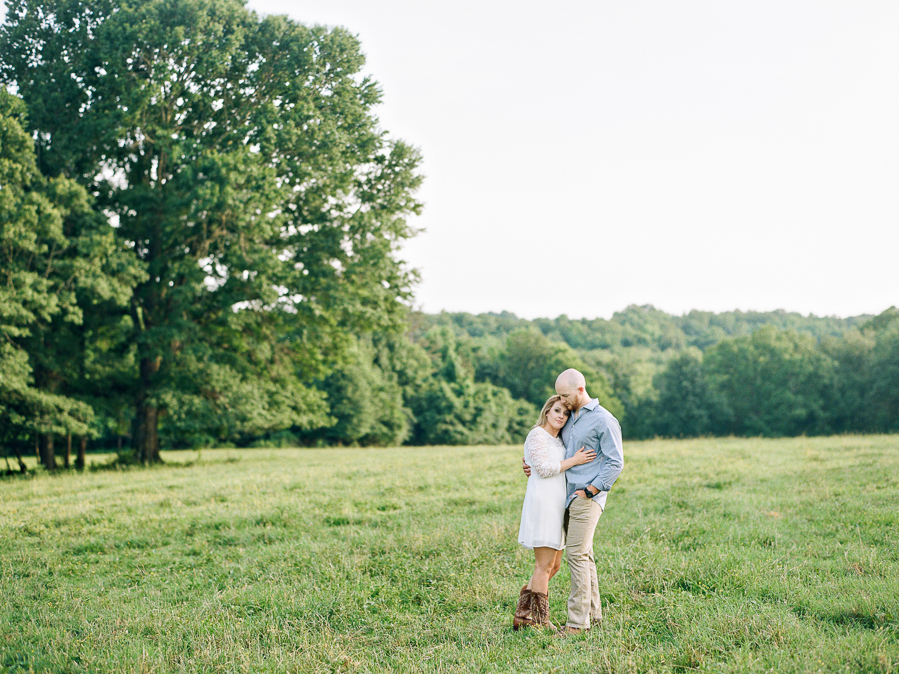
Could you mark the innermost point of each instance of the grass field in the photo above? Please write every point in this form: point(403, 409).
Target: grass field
point(733, 555)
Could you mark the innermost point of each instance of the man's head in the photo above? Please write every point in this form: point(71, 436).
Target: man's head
point(572, 387)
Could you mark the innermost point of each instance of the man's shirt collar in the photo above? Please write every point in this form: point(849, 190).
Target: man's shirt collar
point(592, 405)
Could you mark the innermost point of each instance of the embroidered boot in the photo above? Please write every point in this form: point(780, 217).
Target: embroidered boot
point(524, 611)
point(541, 611)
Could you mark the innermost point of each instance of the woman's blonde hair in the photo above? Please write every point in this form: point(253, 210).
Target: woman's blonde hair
point(546, 407)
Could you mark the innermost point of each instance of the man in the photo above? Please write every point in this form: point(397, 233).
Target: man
point(593, 426)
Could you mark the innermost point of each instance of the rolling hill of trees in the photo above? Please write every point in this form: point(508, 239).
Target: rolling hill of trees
point(732, 373)
point(456, 378)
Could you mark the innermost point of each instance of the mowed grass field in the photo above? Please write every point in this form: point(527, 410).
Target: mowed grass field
point(718, 555)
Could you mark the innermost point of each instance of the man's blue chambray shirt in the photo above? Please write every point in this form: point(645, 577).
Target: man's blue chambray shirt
point(595, 428)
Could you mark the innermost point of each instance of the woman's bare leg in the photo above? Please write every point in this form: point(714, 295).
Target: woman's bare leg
point(543, 565)
point(557, 564)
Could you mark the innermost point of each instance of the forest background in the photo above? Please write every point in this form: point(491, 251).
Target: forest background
point(200, 232)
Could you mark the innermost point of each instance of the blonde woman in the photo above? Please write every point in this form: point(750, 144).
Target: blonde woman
point(544, 508)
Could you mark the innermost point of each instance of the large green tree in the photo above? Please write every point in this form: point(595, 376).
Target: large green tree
point(241, 162)
point(881, 404)
point(450, 408)
point(30, 235)
point(849, 399)
point(772, 383)
point(57, 260)
point(365, 398)
point(687, 404)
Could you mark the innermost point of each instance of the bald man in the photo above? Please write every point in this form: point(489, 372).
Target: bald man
point(590, 425)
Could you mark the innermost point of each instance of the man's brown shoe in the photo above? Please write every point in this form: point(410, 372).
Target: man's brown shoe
point(571, 631)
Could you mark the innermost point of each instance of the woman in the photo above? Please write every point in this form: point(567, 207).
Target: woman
point(544, 509)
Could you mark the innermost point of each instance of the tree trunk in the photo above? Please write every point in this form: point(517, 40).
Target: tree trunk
point(81, 459)
point(22, 467)
point(146, 421)
point(47, 455)
point(68, 460)
point(146, 436)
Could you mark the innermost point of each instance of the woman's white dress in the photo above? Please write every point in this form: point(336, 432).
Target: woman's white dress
point(544, 501)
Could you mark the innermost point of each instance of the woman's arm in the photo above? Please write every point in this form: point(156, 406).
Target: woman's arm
point(539, 447)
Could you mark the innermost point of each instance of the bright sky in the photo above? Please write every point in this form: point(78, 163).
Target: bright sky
point(582, 156)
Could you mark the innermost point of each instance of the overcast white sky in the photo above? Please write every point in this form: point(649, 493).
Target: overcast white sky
point(584, 156)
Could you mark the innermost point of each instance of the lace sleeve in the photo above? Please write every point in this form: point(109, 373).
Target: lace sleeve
point(540, 453)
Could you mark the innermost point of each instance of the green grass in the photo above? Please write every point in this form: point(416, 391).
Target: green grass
point(726, 555)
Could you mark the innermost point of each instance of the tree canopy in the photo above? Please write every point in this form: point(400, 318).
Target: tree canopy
point(58, 260)
point(243, 167)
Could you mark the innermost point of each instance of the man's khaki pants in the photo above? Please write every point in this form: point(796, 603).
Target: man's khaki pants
point(581, 519)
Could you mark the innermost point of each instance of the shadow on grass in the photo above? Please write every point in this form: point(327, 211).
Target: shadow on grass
point(874, 619)
point(126, 461)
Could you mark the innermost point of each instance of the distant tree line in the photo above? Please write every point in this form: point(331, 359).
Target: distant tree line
point(200, 221)
point(734, 373)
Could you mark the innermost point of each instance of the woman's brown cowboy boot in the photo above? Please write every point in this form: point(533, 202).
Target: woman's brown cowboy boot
point(540, 602)
point(524, 612)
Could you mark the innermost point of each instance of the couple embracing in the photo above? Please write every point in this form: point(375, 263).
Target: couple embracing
point(571, 456)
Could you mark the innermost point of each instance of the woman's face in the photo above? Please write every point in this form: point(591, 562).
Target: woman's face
point(557, 415)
